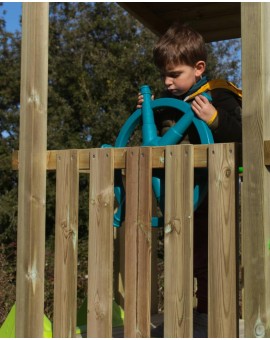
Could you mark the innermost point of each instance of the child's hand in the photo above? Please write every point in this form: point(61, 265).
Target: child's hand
point(140, 100)
point(203, 108)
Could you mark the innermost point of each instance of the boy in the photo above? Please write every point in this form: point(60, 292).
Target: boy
point(180, 55)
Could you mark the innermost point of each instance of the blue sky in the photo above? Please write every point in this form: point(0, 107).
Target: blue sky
point(12, 16)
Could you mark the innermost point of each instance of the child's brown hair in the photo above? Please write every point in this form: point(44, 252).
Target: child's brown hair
point(179, 45)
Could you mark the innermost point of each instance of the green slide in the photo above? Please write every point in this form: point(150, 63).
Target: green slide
point(8, 328)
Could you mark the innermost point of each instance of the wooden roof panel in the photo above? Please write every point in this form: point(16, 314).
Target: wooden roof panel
point(214, 20)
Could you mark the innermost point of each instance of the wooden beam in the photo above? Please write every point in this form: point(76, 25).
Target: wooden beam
point(158, 158)
point(215, 21)
point(145, 16)
point(256, 177)
point(32, 172)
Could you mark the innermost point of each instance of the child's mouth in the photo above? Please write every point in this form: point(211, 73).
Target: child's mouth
point(175, 92)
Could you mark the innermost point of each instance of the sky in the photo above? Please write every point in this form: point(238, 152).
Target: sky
point(12, 17)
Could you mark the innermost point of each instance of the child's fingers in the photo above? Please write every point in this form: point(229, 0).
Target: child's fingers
point(195, 105)
point(140, 100)
point(201, 99)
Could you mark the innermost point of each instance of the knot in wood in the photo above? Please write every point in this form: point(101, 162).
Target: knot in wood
point(228, 172)
point(168, 228)
point(32, 275)
point(173, 225)
point(259, 330)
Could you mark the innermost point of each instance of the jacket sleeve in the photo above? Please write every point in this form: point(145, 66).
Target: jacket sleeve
point(227, 127)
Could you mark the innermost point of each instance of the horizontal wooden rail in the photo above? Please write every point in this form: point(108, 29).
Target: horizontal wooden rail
point(158, 158)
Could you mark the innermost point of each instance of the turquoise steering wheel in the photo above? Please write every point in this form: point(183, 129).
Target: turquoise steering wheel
point(150, 138)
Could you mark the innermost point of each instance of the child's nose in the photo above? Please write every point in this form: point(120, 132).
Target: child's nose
point(168, 81)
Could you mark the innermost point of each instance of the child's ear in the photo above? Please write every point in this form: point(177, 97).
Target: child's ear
point(200, 68)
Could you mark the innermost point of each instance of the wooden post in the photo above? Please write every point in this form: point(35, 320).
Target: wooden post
point(32, 171)
point(256, 177)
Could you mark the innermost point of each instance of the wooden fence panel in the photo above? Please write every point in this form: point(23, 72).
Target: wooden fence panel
point(222, 259)
point(178, 242)
point(66, 244)
point(100, 259)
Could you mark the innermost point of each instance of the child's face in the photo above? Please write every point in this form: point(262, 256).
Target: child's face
point(179, 79)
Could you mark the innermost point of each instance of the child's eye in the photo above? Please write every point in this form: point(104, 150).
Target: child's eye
point(170, 74)
point(173, 74)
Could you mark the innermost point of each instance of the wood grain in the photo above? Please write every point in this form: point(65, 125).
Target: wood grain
point(256, 177)
point(178, 242)
point(100, 259)
point(144, 243)
point(32, 174)
point(222, 250)
point(66, 245)
point(158, 158)
point(131, 242)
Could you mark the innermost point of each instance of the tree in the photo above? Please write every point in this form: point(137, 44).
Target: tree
point(108, 56)
point(9, 114)
point(224, 60)
point(9, 120)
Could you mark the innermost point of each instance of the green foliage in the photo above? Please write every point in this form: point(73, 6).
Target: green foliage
point(225, 61)
point(99, 56)
point(108, 55)
point(9, 119)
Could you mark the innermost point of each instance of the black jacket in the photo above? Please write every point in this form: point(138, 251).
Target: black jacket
point(226, 128)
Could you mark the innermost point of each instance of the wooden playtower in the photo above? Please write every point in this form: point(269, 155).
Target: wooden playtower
point(216, 21)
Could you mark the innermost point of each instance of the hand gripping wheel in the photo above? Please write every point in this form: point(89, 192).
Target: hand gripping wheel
point(150, 138)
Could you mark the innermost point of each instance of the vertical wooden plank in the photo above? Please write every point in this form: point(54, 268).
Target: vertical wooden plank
point(144, 243)
point(66, 244)
point(119, 265)
point(131, 242)
point(135, 200)
point(154, 270)
point(256, 177)
point(154, 264)
point(178, 243)
point(241, 263)
point(100, 261)
point(222, 256)
point(32, 171)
